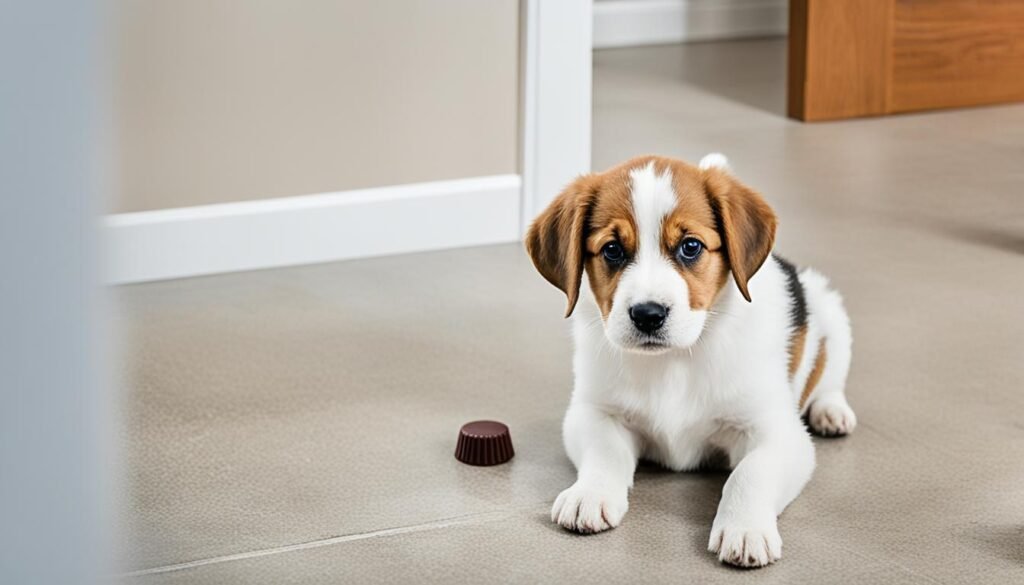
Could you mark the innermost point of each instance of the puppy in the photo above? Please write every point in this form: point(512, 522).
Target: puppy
point(692, 342)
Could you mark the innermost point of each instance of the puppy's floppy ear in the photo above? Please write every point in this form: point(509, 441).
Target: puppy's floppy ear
point(746, 222)
point(555, 240)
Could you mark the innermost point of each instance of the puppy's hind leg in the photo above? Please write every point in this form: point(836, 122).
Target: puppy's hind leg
point(832, 416)
point(828, 412)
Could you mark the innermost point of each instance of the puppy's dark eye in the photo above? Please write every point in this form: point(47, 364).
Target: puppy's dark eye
point(690, 249)
point(613, 252)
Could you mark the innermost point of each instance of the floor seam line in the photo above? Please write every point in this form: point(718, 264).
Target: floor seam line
point(480, 517)
point(892, 562)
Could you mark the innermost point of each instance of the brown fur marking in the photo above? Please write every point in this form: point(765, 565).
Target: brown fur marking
point(797, 345)
point(747, 223)
point(815, 375)
point(695, 217)
point(555, 239)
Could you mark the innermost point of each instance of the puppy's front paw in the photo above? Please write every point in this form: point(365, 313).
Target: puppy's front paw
point(746, 544)
point(832, 418)
point(588, 509)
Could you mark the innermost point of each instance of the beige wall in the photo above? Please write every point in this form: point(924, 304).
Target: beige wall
point(220, 100)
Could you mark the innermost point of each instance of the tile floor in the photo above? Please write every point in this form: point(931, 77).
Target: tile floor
point(297, 425)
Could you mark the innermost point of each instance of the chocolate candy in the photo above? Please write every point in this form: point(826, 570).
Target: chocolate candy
point(484, 442)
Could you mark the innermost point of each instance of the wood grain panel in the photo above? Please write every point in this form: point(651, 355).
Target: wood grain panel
point(842, 55)
point(949, 53)
point(796, 75)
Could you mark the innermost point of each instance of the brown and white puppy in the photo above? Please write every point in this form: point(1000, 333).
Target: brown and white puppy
point(691, 341)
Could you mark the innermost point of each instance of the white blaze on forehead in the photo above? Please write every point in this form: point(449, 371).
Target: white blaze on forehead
point(653, 276)
point(653, 198)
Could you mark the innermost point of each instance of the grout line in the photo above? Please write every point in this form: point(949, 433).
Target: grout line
point(411, 529)
point(890, 562)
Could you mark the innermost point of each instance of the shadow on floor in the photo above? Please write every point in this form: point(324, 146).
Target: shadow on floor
point(716, 68)
point(750, 72)
point(1005, 542)
point(991, 236)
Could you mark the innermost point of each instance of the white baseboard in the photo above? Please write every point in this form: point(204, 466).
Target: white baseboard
point(208, 239)
point(624, 23)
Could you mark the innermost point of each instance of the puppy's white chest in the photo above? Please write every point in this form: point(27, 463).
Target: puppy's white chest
point(669, 413)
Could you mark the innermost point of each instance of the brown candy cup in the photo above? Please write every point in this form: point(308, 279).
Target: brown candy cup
point(484, 442)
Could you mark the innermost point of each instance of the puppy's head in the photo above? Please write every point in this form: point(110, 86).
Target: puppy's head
point(657, 239)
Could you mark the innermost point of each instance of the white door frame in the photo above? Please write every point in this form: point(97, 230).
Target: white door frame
point(554, 122)
point(556, 63)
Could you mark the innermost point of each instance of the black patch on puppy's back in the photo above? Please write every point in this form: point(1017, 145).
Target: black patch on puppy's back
point(797, 298)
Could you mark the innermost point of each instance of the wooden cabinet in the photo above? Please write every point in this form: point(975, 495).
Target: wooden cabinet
point(850, 58)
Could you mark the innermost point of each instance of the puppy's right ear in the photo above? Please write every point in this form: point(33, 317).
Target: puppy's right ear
point(556, 238)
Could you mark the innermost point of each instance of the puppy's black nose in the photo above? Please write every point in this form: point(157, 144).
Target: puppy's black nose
point(648, 317)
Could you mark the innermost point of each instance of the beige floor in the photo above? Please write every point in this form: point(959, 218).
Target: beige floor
point(297, 425)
